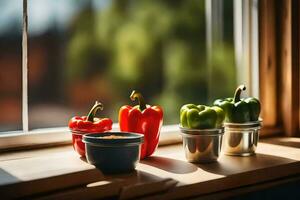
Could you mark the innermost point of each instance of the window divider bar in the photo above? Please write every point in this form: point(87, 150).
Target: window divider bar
point(239, 43)
point(25, 68)
point(214, 36)
point(254, 38)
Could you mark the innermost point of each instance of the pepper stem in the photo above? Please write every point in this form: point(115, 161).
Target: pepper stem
point(138, 96)
point(238, 91)
point(93, 111)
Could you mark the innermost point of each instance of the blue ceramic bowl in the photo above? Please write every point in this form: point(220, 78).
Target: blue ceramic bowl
point(113, 152)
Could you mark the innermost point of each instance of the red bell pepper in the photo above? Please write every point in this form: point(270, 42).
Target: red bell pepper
point(88, 124)
point(143, 119)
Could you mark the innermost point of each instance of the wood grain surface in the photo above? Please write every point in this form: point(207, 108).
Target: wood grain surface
point(60, 173)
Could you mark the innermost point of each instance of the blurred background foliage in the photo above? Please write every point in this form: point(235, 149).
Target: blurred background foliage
point(156, 47)
point(86, 50)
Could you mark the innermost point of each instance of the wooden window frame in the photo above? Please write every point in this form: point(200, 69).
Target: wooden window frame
point(279, 66)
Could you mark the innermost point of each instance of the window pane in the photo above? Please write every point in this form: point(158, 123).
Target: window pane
point(82, 51)
point(10, 65)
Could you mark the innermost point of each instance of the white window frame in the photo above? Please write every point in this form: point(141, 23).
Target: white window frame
point(246, 44)
point(245, 38)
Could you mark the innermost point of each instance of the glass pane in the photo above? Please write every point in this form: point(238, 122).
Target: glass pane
point(82, 51)
point(10, 65)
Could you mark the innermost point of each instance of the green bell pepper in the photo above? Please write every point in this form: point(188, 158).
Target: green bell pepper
point(239, 110)
point(201, 117)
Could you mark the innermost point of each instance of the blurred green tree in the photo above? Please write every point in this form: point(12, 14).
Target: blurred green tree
point(157, 47)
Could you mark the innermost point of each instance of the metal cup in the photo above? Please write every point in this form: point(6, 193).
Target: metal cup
point(240, 139)
point(202, 146)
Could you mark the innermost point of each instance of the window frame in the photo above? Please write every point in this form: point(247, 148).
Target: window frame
point(25, 121)
point(47, 137)
point(246, 36)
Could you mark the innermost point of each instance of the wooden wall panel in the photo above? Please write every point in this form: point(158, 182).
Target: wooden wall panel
point(296, 65)
point(267, 63)
point(297, 33)
point(279, 64)
point(289, 66)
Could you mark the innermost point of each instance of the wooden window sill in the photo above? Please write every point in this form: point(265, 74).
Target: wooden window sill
point(59, 172)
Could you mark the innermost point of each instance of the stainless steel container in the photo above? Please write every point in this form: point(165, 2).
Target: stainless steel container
point(240, 139)
point(202, 146)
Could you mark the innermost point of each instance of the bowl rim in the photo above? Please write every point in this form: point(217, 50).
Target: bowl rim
point(97, 139)
point(77, 132)
point(252, 124)
point(201, 132)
